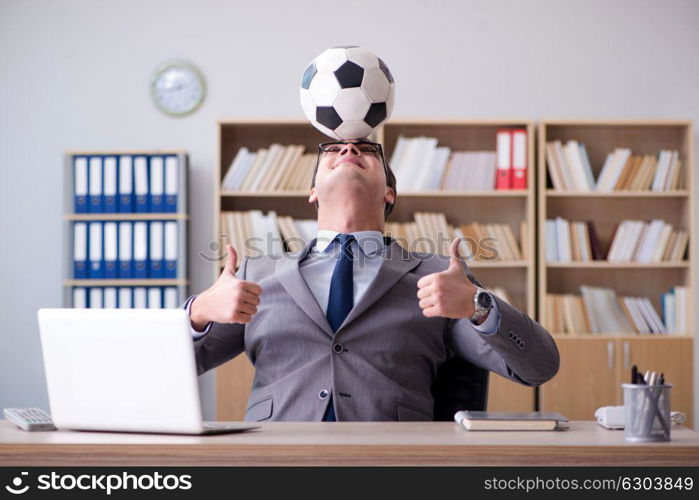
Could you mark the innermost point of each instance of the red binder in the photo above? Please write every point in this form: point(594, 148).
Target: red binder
point(519, 159)
point(503, 178)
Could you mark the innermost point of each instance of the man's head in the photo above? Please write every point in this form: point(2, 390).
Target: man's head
point(354, 168)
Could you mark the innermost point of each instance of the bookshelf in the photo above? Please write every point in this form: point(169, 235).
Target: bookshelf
point(234, 379)
point(179, 216)
point(603, 360)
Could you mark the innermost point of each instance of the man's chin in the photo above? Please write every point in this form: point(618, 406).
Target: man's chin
point(348, 184)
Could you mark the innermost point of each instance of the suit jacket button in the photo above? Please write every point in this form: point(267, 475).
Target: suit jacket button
point(510, 334)
point(338, 348)
point(323, 394)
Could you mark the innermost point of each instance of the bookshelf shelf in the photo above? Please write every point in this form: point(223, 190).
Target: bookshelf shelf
point(551, 193)
point(264, 194)
point(476, 264)
point(125, 282)
point(139, 216)
point(616, 265)
point(619, 336)
point(514, 193)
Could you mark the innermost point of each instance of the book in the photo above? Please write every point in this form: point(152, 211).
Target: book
point(504, 160)
point(510, 421)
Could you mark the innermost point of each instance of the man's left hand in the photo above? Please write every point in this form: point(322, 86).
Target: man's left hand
point(449, 293)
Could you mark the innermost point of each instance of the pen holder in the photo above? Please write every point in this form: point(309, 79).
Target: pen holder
point(647, 412)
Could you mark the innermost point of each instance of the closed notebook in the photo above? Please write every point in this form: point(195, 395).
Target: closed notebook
point(510, 420)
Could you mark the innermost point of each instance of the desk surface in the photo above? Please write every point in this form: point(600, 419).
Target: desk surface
point(347, 443)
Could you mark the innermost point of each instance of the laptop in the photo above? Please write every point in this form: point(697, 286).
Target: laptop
point(124, 370)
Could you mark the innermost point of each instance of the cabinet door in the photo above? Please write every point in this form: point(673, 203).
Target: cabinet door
point(505, 395)
point(671, 356)
point(586, 380)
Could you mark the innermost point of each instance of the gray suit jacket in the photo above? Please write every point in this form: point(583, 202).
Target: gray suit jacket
point(382, 361)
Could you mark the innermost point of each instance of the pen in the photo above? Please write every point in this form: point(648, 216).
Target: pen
point(634, 374)
point(645, 376)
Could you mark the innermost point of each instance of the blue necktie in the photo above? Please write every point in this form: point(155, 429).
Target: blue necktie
point(341, 298)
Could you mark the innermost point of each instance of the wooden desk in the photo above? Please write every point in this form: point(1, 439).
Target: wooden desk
point(347, 443)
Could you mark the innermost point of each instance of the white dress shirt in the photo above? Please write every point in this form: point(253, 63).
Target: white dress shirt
point(368, 250)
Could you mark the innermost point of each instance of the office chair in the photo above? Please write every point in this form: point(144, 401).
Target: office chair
point(459, 385)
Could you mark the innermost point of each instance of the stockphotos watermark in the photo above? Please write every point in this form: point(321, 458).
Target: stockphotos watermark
point(106, 483)
point(483, 249)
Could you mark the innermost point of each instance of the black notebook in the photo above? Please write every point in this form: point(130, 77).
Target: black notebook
point(510, 420)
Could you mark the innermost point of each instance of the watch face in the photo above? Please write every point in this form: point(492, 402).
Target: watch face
point(484, 299)
point(177, 88)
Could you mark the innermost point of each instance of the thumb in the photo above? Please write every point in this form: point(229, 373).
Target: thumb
point(231, 260)
point(454, 257)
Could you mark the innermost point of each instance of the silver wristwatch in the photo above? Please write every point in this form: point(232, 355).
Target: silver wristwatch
point(483, 303)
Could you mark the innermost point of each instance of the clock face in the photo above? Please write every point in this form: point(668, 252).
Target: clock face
point(178, 88)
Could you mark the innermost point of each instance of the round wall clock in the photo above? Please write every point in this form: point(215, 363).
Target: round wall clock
point(177, 88)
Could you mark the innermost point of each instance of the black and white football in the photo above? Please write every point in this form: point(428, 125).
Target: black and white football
point(347, 92)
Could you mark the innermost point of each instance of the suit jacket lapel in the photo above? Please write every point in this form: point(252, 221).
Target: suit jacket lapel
point(289, 275)
point(395, 265)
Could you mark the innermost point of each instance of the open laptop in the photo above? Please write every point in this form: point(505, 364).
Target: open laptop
point(126, 370)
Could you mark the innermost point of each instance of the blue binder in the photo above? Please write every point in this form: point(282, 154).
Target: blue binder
point(140, 166)
point(125, 250)
point(155, 250)
point(80, 250)
point(109, 174)
point(125, 298)
point(96, 297)
point(172, 183)
point(126, 184)
point(79, 297)
point(95, 185)
point(155, 297)
point(170, 250)
point(96, 270)
point(157, 183)
point(80, 184)
point(109, 249)
point(140, 250)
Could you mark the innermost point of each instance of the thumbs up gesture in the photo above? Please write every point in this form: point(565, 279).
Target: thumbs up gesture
point(449, 293)
point(229, 300)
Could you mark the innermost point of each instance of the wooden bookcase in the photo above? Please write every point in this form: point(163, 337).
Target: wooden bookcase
point(234, 379)
point(181, 216)
point(594, 365)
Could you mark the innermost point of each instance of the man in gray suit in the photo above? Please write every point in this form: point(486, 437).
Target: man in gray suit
point(354, 327)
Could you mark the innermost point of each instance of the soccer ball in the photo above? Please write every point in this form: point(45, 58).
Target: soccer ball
point(347, 92)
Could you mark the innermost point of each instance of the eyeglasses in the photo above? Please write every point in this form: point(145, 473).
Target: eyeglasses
point(364, 147)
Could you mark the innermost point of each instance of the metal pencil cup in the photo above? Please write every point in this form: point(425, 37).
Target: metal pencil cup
point(647, 412)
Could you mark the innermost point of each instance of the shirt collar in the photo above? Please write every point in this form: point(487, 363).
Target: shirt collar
point(370, 242)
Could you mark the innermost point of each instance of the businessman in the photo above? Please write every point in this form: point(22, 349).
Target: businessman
point(354, 327)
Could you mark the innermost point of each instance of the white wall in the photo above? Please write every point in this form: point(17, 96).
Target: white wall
point(75, 75)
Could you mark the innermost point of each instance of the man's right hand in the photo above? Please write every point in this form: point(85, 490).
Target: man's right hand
point(229, 300)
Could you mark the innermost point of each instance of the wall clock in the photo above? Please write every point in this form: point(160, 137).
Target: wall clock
point(178, 88)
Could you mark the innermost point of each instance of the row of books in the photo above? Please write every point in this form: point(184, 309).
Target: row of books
point(632, 241)
point(600, 310)
point(431, 233)
point(125, 250)
point(126, 183)
point(125, 297)
point(257, 233)
point(277, 168)
point(570, 170)
point(421, 165)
